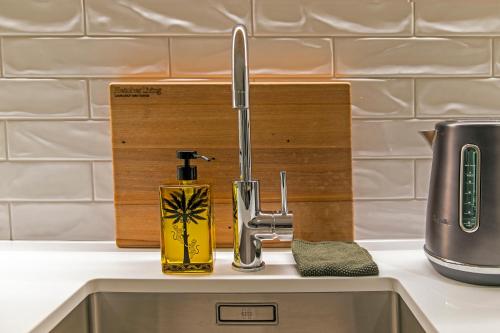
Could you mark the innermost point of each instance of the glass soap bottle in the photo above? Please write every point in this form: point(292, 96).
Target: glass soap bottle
point(187, 226)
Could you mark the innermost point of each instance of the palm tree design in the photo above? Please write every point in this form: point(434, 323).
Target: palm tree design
point(182, 209)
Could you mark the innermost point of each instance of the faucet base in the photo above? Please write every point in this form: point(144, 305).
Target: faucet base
point(249, 269)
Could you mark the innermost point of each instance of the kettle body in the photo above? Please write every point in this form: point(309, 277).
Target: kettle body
point(462, 238)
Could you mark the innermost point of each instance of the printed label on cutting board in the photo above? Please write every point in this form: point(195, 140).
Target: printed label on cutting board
point(142, 91)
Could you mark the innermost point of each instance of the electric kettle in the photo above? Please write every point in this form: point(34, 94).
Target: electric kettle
point(462, 239)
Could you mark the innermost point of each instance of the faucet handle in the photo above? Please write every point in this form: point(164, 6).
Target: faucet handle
point(284, 204)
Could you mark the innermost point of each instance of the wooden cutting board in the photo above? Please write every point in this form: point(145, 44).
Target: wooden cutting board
point(303, 128)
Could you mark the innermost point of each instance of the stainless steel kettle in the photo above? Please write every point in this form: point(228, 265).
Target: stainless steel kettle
point(462, 239)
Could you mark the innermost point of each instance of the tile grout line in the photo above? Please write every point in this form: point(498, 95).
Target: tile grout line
point(381, 159)
point(1, 58)
point(227, 76)
point(220, 35)
point(334, 50)
point(108, 201)
point(415, 179)
point(414, 92)
point(253, 21)
point(388, 158)
point(55, 119)
point(6, 141)
point(59, 160)
point(169, 45)
point(423, 118)
point(95, 77)
point(387, 199)
point(9, 207)
point(492, 68)
point(87, 95)
point(413, 19)
point(92, 180)
point(55, 201)
point(84, 16)
point(82, 161)
point(371, 199)
point(58, 119)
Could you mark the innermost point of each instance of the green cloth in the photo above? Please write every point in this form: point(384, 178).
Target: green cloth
point(332, 259)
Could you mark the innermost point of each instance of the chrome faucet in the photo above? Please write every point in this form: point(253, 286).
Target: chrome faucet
point(251, 225)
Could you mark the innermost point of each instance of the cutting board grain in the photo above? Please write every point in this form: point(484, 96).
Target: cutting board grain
point(303, 128)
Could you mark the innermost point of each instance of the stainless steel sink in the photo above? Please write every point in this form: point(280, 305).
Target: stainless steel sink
point(378, 311)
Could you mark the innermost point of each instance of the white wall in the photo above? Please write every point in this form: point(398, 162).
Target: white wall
point(410, 64)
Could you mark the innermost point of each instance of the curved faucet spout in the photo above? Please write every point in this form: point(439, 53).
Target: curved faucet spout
point(240, 67)
point(240, 89)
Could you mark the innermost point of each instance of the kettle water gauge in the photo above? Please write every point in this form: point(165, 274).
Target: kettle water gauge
point(470, 163)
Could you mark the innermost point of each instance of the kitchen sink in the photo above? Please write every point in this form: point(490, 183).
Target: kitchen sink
point(374, 311)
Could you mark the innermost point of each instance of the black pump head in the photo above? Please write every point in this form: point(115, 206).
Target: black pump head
point(188, 171)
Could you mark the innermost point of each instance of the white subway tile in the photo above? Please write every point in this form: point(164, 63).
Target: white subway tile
point(383, 179)
point(103, 181)
point(422, 178)
point(62, 221)
point(59, 140)
point(457, 17)
point(389, 219)
point(292, 56)
point(445, 98)
point(193, 57)
point(48, 98)
point(390, 138)
point(172, 17)
point(326, 17)
point(99, 98)
point(94, 57)
point(4, 222)
point(45, 181)
point(201, 57)
point(381, 98)
point(412, 56)
point(28, 17)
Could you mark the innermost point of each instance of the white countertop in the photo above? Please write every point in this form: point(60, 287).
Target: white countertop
point(41, 282)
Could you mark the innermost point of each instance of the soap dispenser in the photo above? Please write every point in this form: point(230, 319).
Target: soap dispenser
point(187, 226)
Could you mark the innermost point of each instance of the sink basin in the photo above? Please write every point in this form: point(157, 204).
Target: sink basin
point(124, 312)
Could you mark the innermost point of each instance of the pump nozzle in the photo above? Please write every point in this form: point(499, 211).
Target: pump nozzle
point(206, 158)
point(188, 171)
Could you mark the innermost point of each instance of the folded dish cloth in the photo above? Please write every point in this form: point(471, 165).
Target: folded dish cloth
point(332, 259)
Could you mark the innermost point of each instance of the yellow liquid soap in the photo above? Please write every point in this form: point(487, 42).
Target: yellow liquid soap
point(187, 230)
